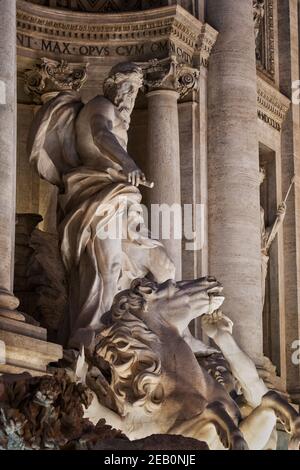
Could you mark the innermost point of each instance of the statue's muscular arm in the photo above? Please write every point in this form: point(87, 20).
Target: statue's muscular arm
point(102, 125)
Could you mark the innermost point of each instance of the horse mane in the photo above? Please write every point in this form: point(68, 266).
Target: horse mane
point(125, 344)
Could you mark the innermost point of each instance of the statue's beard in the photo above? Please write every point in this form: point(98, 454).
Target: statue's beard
point(125, 113)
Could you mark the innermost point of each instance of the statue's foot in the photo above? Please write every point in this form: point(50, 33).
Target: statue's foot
point(197, 346)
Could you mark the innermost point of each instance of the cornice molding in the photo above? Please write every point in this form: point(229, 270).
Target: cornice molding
point(156, 33)
point(205, 43)
point(53, 24)
point(272, 105)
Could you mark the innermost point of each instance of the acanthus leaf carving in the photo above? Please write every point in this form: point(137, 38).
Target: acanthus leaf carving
point(53, 76)
point(170, 75)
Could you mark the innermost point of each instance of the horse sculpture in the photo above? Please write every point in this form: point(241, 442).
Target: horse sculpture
point(150, 380)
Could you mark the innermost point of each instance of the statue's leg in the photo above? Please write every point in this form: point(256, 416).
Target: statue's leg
point(109, 261)
point(272, 442)
point(93, 287)
point(286, 414)
point(259, 425)
point(228, 433)
point(213, 426)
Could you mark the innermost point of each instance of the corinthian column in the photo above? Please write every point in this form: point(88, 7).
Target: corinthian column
point(166, 81)
point(7, 151)
point(233, 169)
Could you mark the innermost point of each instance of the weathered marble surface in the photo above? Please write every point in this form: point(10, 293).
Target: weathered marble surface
point(25, 347)
point(233, 169)
point(146, 380)
point(91, 166)
point(7, 151)
point(54, 406)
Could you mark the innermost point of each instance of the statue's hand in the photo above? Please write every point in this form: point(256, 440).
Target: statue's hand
point(134, 175)
point(131, 174)
point(281, 211)
point(215, 323)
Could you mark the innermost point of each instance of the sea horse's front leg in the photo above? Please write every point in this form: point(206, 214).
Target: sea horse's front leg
point(286, 414)
point(213, 426)
point(258, 426)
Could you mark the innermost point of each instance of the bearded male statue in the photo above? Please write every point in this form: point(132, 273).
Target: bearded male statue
point(82, 149)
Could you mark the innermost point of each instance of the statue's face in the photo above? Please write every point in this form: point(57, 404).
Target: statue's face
point(262, 175)
point(219, 369)
point(126, 96)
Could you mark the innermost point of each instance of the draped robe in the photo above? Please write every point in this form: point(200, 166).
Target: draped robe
point(96, 266)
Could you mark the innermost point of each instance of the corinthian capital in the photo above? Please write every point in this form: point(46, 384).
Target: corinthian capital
point(50, 76)
point(168, 74)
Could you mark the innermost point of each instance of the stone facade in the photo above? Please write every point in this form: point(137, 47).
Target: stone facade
point(208, 151)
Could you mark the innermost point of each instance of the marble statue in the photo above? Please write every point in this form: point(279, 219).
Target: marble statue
point(268, 235)
point(82, 149)
point(146, 380)
point(258, 16)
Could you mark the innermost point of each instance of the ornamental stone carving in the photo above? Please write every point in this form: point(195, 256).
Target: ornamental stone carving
point(168, 74)
point(152, 384)
point(204, 45)
point(102, 6)
point(272, 106)
point(160, 33)
point(258, 16)
point(52, 76)
point(263, 16)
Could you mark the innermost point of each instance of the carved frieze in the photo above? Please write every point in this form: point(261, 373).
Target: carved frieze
point(272, 105)
point(160, 33)
point(51, 76)
point(102, 6)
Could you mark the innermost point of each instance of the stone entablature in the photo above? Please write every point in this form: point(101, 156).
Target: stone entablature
point(272, 105)
point(156, 33)
point(101, 6)
point(205, 43)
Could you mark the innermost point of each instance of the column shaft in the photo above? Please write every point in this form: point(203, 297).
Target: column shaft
point(163, 165)
point(233, 165)
point(7, 150)
point(288, 21)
